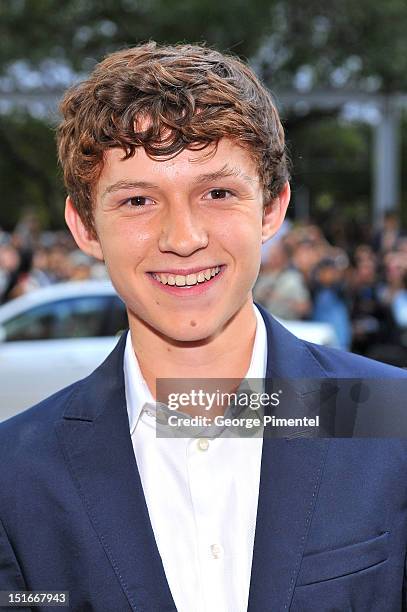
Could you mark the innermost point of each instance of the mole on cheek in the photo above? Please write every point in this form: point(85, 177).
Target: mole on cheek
point(193, 323)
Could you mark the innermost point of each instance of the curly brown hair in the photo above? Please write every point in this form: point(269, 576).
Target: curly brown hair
point(191, 97)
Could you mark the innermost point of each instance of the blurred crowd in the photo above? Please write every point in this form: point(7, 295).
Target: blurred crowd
point(30, 259)
point(361, 292)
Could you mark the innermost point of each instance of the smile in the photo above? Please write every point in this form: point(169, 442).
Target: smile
point(188, 280)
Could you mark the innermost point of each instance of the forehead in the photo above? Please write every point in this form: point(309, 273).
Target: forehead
point(184, 167)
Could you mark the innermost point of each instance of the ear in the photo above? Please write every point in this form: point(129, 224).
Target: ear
point(274, 213)
point(82, 235)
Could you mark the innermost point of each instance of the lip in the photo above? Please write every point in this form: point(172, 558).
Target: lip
point(188, 291)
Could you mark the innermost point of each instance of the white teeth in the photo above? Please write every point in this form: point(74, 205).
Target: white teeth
point(190, 279)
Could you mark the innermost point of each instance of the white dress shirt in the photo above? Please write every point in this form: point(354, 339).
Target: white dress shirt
point(201, 496)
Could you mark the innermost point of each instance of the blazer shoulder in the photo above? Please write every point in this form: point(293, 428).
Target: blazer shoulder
point(31, 429)
point(342, 364)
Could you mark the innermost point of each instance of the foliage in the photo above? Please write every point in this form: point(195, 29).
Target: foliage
point(80, 32)
point(293, 45)
point(347, 43)
point(332, 161)
point(28, 171)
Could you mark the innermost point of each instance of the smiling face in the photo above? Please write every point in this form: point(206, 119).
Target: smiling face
point(181, 238)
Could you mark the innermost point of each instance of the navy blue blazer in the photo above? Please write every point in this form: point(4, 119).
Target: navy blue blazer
point(331, 528)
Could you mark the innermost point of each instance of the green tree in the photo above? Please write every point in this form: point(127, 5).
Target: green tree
point(28, 171)
point(343, 45)
point(346, 43)
point(54, 38)
point(80, 32)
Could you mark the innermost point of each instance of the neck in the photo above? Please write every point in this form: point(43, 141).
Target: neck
point(161, 357)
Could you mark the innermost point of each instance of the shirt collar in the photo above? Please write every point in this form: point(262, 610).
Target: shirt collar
point(139, 395)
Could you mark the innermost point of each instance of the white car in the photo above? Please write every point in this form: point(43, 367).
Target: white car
point(53, 336)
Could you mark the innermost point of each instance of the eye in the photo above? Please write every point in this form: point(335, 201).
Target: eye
point(218, 194)
point(137, 201)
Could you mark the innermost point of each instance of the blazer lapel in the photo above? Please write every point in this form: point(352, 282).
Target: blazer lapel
point(291, 471)
point(290, 475)
point(97, 445)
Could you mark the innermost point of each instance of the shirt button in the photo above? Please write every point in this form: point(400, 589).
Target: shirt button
point(216, 551)
point(203, 444)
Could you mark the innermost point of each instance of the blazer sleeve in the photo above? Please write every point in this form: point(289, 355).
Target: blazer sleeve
point(11, 577)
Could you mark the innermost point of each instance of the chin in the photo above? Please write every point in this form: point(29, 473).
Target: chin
point(188, 333)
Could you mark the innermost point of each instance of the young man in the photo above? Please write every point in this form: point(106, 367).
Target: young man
point(174, 161)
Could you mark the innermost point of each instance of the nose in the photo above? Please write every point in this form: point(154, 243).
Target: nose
point(182, 230)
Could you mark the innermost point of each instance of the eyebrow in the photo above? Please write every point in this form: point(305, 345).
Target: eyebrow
point(224, 172)
point(128, 185)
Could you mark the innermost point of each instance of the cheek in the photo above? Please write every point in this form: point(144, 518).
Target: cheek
point(244, 241)
point(244, 247)
point(125, 242)
point(240, 227)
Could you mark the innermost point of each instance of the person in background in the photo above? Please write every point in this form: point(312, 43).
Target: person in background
point(59, 265)
point(329, 300)
point(386, 237)
point(81, 266)
point(306, 255)
point(280, 288)
point(17, 281)
point(395, 266)
point(370, 318)
point(9, 262)
point(399, 303)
